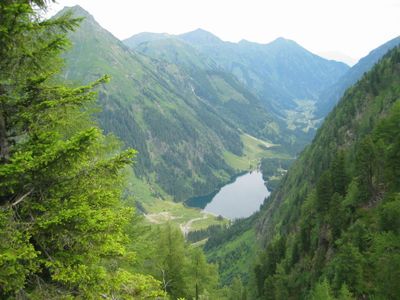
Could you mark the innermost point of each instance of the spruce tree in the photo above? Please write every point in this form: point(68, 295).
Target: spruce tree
point(61, 179)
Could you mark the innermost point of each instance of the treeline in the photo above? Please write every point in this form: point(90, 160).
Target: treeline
point(337, 233)
point(199, 235)
point(64, 231)
point(273, 170)
point(226, 234)
point(219, 234)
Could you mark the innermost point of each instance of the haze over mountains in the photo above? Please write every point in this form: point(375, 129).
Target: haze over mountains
point(335, 55)
point(271, 70)
point(344, 181)
point(83, 215)
point(330, 96)
point(184, 101)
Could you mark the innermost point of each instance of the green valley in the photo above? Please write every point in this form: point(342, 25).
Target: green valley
point(188, 167)
point(153, 107)
point(263, 70)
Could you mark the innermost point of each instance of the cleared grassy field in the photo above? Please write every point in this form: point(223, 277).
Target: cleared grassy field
point(159, 208)
point(254, 150)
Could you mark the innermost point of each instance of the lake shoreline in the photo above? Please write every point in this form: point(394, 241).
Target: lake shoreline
point(216, 191)
point(239, 198)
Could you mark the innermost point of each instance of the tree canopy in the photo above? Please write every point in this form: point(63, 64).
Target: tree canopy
point(61, 179)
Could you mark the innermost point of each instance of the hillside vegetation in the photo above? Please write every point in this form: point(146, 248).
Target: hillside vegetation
point(285, 78)
point(67, 230)
point(332, 94)
point(83, 215)
point(157, 108)
point(332, 227)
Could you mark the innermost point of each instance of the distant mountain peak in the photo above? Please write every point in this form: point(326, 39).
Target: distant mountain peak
point(201, 31)
point(143, 37)
point(283, 41)
point(200, 36)
point(161, 34)
point(244, 41)
point(77, 11)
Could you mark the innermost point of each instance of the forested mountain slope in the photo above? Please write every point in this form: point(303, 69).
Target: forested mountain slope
point(332, 228)
point(61, 180)
point(285, 77)
point(67, 227)
point(331, 95)
point(151, 105)
point(173, 50)
point(219, 88)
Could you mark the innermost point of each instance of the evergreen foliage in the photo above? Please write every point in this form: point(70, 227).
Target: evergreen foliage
point(65, 232)
point(151, 106)
point(331, 230)
point(182, 269)
point(61, 217)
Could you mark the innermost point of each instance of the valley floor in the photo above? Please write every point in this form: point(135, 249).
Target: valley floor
point(158, 207)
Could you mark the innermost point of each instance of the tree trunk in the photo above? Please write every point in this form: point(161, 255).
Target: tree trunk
point(4, 149)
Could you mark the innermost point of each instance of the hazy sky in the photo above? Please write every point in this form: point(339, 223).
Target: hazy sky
point(350, 27)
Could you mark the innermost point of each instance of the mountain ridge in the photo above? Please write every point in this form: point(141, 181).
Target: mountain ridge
point(331, 95)
point(310, 223)
point(271, 72)
point(154, 106)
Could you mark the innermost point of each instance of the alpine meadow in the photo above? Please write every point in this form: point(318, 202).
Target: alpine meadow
point(189, 166)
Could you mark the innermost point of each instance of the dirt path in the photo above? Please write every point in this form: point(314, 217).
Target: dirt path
point(162, 217)
point(186, 226)
point(159, 218)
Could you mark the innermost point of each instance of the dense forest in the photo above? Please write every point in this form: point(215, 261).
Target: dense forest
point(66, 231)
point(70, 227)
point(332, 228)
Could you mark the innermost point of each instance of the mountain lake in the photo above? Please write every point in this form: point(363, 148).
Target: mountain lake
point(237, 199)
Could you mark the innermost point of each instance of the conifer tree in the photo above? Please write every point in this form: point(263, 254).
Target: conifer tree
point(339, 176)
point(322, 290)
point(365, 167)
point(324, 192)
point(171, 260)
point(202, 276)
point(60, 179)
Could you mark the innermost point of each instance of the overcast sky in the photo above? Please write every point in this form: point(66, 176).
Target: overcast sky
point(333, 28)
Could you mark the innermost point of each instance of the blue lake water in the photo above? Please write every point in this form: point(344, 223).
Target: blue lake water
point(238, 199)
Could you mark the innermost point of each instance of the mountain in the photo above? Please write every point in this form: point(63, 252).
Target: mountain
point(154, 106)
point(151, 106)
point(283, 75)
point(339, 56)
point(201, 38)
point(223, 91)
point(175, 51)
point(331, 95)
point(269, 73)
point(279, 72)
point(334, 220)
point(144, 37)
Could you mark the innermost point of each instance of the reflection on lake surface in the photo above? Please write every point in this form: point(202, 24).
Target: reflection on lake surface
point(238, 199)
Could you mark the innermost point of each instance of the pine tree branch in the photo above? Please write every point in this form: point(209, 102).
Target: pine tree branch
point(4, 150)
point(20, 199)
